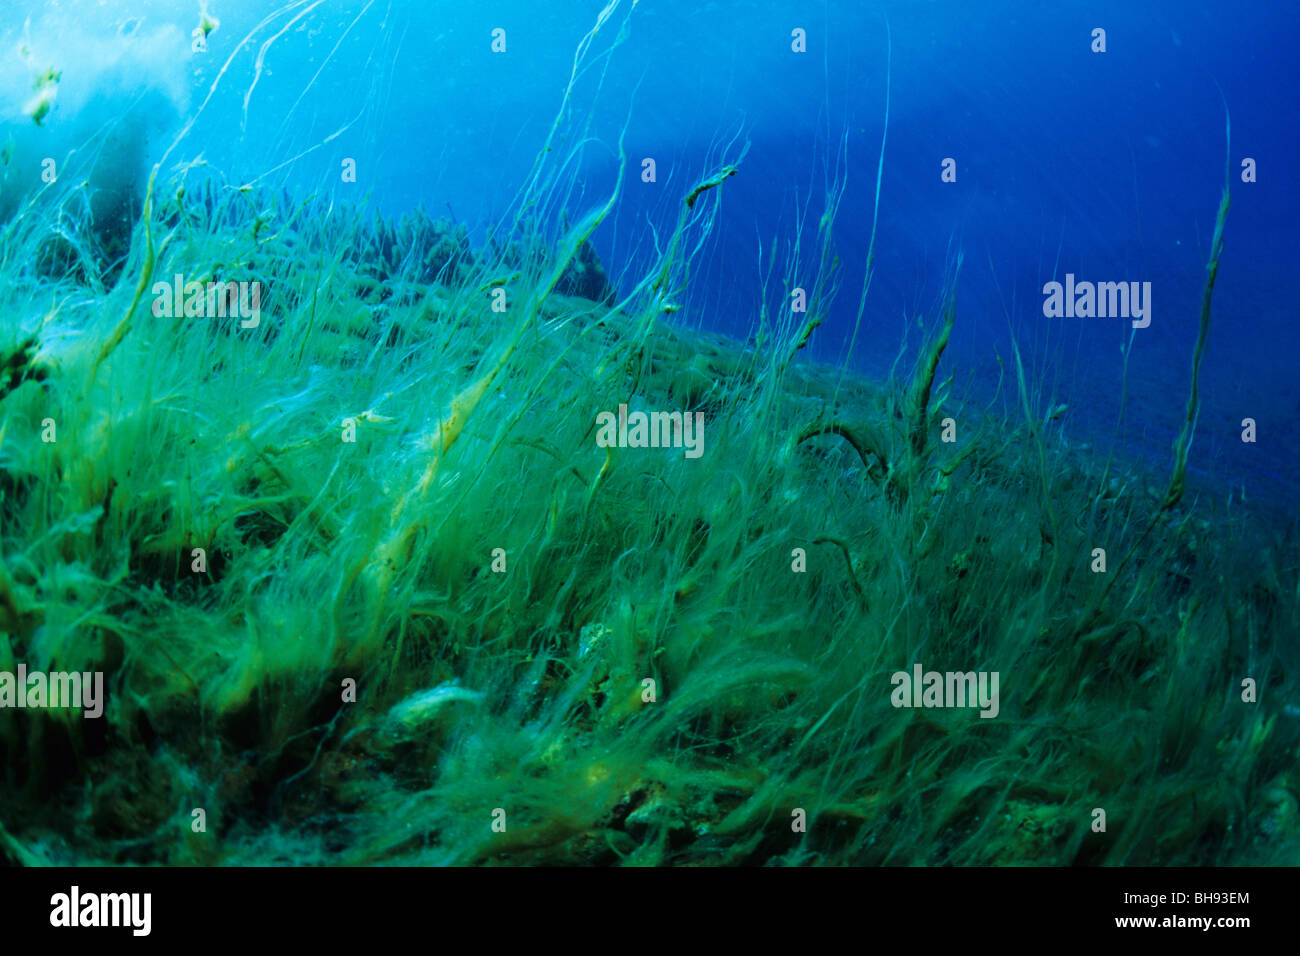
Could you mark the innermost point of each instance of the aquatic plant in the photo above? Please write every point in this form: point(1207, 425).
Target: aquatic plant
point(364, 585)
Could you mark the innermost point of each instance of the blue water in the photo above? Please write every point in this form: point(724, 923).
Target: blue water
point(1105, 165)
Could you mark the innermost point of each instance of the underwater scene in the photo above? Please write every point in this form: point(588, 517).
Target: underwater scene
point(648, 433)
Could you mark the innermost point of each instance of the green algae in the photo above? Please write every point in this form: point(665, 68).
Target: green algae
point(366, 590)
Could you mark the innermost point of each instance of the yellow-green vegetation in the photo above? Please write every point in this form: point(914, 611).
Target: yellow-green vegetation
point(207, 22)
point(44, 87)
point(360, 578)
point(481, 688)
